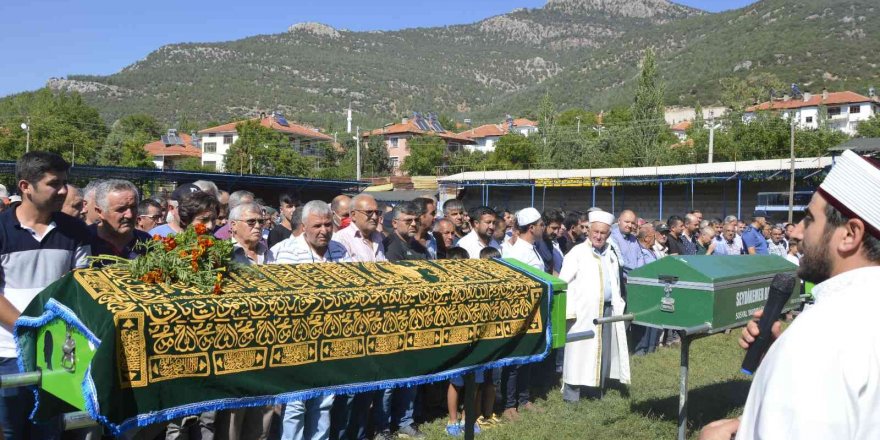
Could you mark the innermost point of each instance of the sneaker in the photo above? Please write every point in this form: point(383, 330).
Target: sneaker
point(495, 419)
point(454, 430)
point(511, 414)
point(410, 432)
point(485, 423)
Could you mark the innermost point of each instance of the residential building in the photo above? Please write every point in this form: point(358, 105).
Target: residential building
point(396, 137)
point(674, 115)
point(844, 110)
point(485, 136)
point(680, 130)
point(217, 140)
point(168, 151)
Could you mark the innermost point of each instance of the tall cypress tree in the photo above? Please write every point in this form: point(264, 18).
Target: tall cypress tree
point(648, 124)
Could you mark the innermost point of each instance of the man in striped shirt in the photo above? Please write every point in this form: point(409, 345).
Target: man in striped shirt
point(310, 419)
point(38, 245)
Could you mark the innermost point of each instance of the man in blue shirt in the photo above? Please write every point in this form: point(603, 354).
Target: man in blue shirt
point(38, 245)
point(623, 236)
point(754, 242)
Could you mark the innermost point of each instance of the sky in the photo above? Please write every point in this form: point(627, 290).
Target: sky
point(54, 38)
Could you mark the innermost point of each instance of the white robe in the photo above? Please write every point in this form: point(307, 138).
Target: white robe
point(582, 270)
point(821, 378)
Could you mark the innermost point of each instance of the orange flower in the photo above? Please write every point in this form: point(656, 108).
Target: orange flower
point(201, 229)
point(216, 288)
point(195, 265)
point(170, 243)
point(183, 254)
point(157, 237)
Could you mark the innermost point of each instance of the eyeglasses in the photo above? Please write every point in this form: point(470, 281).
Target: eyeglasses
point(155, 218)
point(369, 214)
point(253, 222)
point(407, 221)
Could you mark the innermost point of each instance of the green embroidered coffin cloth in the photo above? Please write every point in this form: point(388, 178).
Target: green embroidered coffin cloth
point(287, 333)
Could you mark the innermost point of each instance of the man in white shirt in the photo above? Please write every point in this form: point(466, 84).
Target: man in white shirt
point(483, 227)
point(361, 239)
point(310, 419)
point(531, 229)
point(821, 378)
point(518, 379)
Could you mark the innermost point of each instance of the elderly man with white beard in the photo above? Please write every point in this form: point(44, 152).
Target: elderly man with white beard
point(591, 270)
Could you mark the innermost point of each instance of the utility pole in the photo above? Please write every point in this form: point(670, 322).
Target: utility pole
point(357, 139)
point(579, 124)
point(73, 157)
point(791, 180)
point(27, 129)
point(712, 128)
point(348, 127)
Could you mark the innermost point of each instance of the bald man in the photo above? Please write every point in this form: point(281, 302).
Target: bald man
point(623, 237)
point(341, 207)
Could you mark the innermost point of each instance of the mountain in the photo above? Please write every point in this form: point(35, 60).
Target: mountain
point(582, 52)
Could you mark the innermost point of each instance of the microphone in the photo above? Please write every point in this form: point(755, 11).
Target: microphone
point(780, 291)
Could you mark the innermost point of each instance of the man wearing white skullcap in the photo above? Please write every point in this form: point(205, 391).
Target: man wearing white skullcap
point(821, 378)
point(591, 270)
point(518, 378)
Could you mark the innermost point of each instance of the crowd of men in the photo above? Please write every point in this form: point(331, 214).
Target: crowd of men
point(55, 227)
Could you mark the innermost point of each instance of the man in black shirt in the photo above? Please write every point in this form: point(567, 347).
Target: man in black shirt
point(400, 243)
point(287, 205)
point(116, 203)
point(676, 238)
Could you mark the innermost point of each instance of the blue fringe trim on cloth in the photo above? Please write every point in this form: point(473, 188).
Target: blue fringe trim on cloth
point(357, 388)
point(51, 310)
point(54, 309)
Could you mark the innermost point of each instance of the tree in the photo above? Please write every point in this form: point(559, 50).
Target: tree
point(571, 117)
point(425, 154)
point(375, 158)
point(870, 128)
point(546, 113)
point(447, 122)
point(264, 151)
point(191, 164)
point(513, 151)
point(739, 93)
point(59, 122)
point(644, 140)
point(129, 153)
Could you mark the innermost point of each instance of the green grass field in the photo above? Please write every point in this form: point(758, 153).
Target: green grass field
point(648, 408)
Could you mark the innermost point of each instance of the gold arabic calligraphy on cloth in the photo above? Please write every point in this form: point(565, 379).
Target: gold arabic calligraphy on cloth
point(292, 315)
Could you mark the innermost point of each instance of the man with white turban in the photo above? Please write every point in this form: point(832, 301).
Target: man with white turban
point(591, 270)
point(821, 378)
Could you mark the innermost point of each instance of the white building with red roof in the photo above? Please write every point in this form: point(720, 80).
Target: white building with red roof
point(845, 109)
point(485, 136)
point(680, 130)
point(396, 137)
point(172, 148)
point(217, 140)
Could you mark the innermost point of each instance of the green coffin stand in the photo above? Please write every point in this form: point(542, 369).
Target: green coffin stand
point(681, 292)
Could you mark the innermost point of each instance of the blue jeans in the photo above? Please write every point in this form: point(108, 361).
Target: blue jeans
point(394, 407)
point(349, 416)
point(307, 419)
point(16, 405)
point(518, 378)
point(648, 341)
